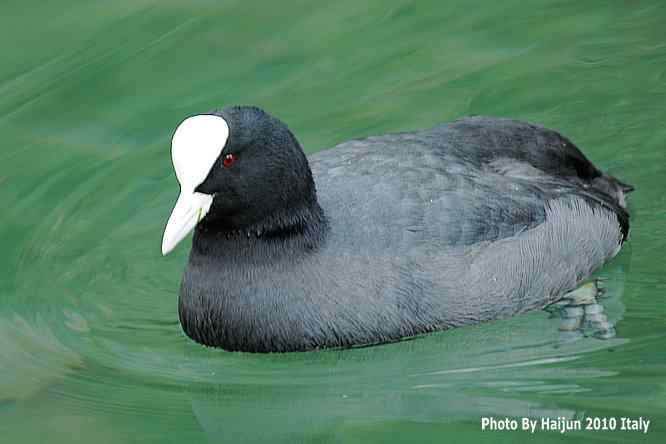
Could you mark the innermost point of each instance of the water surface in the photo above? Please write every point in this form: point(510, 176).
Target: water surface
point(90, 345)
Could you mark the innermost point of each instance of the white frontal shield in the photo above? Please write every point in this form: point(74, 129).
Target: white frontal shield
point(196, 145)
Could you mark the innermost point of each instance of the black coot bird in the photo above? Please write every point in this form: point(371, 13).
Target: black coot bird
point(380, 238)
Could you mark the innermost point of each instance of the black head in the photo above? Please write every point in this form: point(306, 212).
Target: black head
point(240, 170)
point(261, 174)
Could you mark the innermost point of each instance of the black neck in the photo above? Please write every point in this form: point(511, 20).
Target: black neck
point(302, 228)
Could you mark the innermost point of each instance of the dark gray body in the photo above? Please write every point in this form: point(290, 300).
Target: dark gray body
point(477, 220)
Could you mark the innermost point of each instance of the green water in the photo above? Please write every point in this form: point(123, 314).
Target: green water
point(90, 345)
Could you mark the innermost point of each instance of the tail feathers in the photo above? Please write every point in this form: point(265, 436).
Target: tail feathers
point(613, 204)
point(613, 188)
point(625, 187)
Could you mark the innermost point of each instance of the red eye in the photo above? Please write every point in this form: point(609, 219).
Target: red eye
point(228, 160)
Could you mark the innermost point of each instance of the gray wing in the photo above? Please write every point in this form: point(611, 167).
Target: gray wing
point(462, 231)
point(478, 179)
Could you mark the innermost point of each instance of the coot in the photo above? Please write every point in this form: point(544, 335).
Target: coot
point(380, 238)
